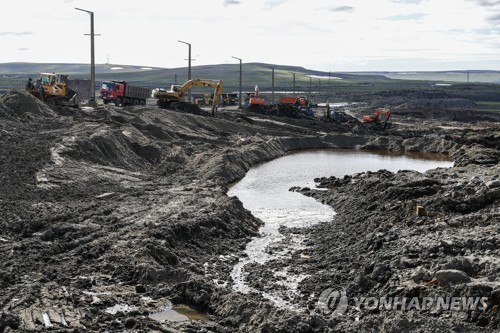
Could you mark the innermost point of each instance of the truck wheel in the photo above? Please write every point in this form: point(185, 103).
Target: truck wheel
point(119, 102)
point(135, 102)
point(105, 101)
point(143, 102)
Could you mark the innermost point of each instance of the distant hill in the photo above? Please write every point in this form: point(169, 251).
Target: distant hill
point(253, 74)
point(14, 75)
point(30, 68)
point(484, 76)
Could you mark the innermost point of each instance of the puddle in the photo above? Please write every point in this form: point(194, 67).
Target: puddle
point(177, 313)
point(264, 191)
point(125, 308)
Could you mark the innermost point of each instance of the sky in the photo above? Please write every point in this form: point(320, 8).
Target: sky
point(327, 35)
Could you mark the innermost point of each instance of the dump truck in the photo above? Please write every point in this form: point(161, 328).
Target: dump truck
point(53, 89)
point(299, 101)
point(122, 93)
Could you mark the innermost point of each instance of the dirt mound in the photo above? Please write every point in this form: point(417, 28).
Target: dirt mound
point(421, 99)
point(275, 110)
point(126, 148)
point(21, 104)
point(109, 213)
point(451, 115)
point(408, 234)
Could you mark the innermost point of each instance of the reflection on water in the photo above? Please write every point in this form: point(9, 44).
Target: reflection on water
point(264, 191)
point(172, 312)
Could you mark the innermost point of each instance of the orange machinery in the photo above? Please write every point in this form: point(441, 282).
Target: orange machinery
point(255, 99)
point(380, 116)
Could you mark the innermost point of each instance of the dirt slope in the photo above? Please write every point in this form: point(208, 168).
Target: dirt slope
point(108, 214)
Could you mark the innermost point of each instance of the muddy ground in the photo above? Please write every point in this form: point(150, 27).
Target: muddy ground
point(109, 214)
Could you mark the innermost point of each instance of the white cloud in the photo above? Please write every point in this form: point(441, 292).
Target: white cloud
point(349, 35)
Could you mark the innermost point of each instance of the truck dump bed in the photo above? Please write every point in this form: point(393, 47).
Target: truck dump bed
point(137, 92)
point(288, 100)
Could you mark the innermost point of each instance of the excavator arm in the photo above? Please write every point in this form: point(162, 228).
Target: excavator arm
point(175, 94)
point(217, 85)
point(217, 95)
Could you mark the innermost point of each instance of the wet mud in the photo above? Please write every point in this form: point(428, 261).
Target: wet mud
point(110, 215)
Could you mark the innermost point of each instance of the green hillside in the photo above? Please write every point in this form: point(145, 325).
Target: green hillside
point(15, 74)
point(318, 85)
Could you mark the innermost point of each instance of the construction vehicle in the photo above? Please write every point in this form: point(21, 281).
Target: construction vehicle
point(255, 99)
point(301, 103)
point(229, 99)
point(208, 99)
point(172, 99)
point(53, 89)
point(298, 101)
point(380, 117)
point(122, 93)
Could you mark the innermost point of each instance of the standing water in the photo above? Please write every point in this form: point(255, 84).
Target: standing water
point(264, 191)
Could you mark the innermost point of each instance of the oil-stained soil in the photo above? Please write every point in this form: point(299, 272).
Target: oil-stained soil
point(111, 217)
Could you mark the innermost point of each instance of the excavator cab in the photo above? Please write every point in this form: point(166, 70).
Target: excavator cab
point(380, 117)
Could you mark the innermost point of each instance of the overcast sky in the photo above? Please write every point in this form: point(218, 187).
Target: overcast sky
point(329, 35)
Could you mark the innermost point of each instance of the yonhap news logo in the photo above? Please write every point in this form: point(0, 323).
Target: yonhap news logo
point(334, 302)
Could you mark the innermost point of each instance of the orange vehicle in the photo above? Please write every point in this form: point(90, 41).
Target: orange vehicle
point(298, 101)
point(255, 99)
point(381, 116)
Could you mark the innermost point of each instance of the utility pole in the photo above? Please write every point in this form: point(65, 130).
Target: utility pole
point(329, 78)
point(92, 56)
point(272, 92)
point(319, 88)
point(175, 78)
point(293, 84)
point(468, 76)
point(310, 84)
point(241, 80)
point(272, 83)
point(189, 66)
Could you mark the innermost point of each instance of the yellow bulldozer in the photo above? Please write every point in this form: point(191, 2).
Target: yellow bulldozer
point(53, 89)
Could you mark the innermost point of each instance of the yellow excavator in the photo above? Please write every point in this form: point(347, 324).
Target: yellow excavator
point(172, 98)
point(53, 89)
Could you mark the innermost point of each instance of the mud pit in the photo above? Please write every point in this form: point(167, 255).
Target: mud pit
point(108, 215)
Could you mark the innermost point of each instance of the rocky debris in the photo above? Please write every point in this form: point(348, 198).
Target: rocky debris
point(110, 213)
point(451, 276)
point(394, 239)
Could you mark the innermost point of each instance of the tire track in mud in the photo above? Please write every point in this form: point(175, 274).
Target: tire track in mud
point(165, 214)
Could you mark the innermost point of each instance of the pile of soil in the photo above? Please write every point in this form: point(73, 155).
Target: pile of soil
point(21, 104)
point(110, 214)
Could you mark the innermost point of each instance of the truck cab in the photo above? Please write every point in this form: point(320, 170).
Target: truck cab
point(111, 91)
point(106, 91)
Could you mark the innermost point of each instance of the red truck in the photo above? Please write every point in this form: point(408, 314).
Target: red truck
point(122, 94)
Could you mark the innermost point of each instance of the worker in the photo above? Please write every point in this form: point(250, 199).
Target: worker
point(29, 84)
point(332, 113)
